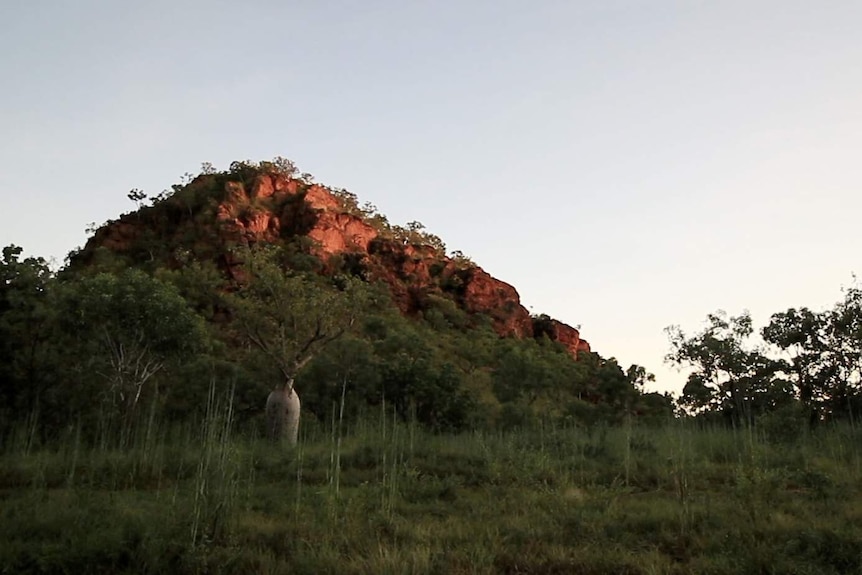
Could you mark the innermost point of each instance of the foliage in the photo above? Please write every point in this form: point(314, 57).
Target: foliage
point(26, 319)
point(804, 336)
point(825, 355)
point(137, 196)
point(129, 326)
point(728, 375)
point(461, 260)
point(200, 283)
point(291, 317)
point(812, 358)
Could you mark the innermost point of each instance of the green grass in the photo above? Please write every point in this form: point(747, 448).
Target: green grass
point(389, 498)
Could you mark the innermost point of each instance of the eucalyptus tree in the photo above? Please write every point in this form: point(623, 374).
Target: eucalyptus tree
point(728, 374)
point(803, 337)
point(823, 355)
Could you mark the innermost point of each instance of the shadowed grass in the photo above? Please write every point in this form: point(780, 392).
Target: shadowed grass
point(201, 499)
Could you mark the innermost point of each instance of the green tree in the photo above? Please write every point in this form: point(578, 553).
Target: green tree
point(199, 282)
point(417, 376)
point(804, 337)
point(728, 374)
point(347, 368)
point(610, 389)
point(129, 327)
point(823, 355)
point(638, 377)
point(524, 373)
point(845, 393)
point(137, 196)
point(26, 319)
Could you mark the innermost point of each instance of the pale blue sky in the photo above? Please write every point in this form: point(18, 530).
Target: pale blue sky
point(625, 164)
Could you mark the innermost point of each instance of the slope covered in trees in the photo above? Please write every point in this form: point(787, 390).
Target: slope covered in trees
point(252, 279)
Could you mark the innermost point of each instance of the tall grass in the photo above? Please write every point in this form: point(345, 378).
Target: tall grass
point(382, 496)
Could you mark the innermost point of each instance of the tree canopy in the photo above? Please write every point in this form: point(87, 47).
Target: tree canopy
point(811, 360)
point(129, 326)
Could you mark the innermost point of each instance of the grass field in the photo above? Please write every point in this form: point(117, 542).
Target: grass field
point(386, 497)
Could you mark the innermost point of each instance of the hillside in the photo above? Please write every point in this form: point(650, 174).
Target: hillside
point(257, 280)
point(250, 205)
point(135, 389)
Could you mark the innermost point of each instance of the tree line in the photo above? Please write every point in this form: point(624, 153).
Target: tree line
point(804, 365)
point(103, 347)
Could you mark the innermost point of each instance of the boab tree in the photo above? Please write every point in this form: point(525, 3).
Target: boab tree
point(290, 317)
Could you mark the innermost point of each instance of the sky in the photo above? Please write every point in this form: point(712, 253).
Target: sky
point(625, 164)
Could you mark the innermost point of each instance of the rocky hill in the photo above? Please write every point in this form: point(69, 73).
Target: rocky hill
point(254, 204)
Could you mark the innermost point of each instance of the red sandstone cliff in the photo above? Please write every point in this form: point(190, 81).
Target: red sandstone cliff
point(275, 207)
point(569, 337)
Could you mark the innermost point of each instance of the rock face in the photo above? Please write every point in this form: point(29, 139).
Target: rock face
point(274, 208)
point(569, 337)
point(488, 295)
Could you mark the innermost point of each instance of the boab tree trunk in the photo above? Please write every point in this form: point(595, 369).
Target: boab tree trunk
point(282, 414)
